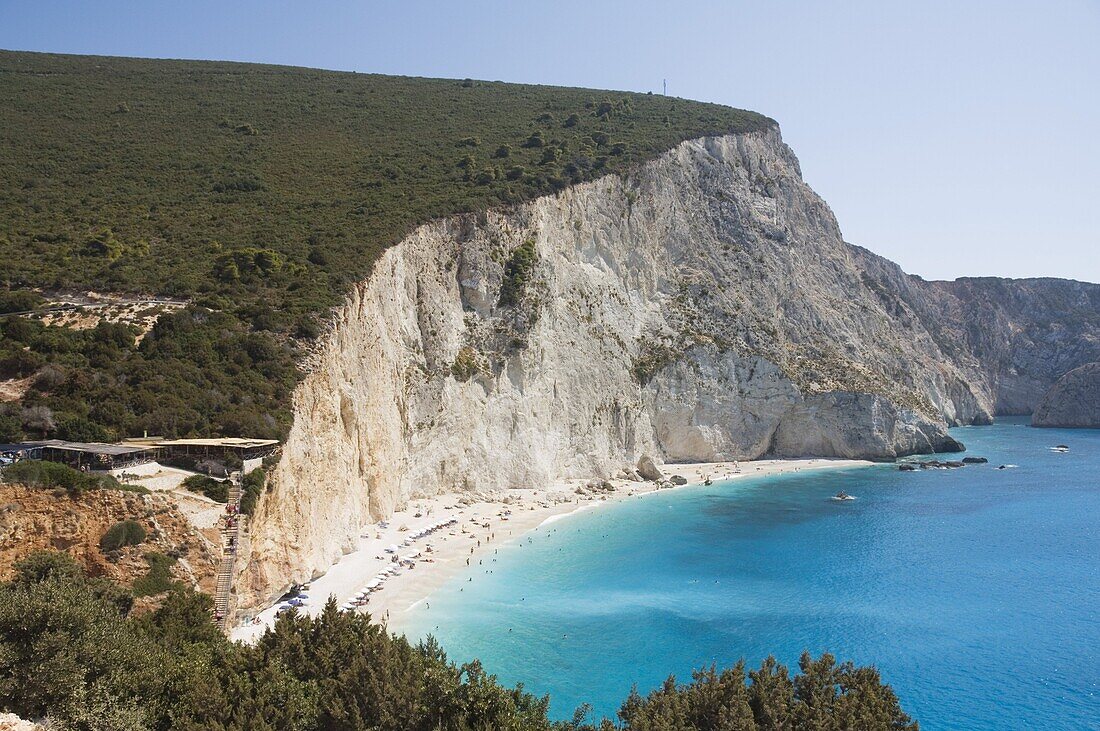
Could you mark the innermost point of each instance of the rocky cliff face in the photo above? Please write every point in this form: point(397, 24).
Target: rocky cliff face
point(1012, 338)
point(1073, 401)
point(704, 308)
point(35, 519)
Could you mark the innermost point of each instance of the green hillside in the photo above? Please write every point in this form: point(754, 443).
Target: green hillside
point(262, 193)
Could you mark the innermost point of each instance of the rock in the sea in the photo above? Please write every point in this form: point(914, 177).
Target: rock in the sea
point(935, 464)
point(678, 480)
point(648, 469)
point(907, 467)
point(1073, 401)
point(974, 460)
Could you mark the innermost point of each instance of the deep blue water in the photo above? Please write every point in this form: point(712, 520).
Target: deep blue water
point(976, 591)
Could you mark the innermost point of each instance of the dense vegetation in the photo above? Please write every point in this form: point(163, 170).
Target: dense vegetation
point(195, 372)
point(262, 193)
point(70, 650)
point(53, 475)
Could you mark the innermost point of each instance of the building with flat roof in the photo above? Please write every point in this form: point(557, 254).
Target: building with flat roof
point(243, 449)
point(96, 455)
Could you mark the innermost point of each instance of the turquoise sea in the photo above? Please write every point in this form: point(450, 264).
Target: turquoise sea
point(975, 591)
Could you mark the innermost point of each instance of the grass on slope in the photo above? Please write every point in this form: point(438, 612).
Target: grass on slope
point(265, 191)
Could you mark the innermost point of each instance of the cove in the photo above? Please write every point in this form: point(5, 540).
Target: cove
point(975, 591)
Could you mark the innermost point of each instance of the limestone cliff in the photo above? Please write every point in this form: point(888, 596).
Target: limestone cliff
point(705, 307)
point(1012, 338)
point(1073, 401)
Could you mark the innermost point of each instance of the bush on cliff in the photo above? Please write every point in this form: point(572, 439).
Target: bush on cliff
point(159, 577)
point(121, 534)
point(252, 486)
point(517, 272)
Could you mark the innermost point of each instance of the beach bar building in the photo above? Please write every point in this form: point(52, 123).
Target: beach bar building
point(250, 452)
point(97, 456)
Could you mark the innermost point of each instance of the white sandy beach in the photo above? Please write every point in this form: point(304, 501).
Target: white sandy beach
point(481, 524)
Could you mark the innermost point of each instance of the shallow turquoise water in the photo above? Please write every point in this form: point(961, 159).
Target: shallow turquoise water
point(975, 591)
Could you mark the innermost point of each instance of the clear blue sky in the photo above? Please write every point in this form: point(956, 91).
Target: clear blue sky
point(955, 137)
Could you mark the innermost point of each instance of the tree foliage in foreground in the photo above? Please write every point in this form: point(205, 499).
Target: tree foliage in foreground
point(70, 652)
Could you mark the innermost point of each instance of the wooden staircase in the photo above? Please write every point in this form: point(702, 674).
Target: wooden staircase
point(230, 533)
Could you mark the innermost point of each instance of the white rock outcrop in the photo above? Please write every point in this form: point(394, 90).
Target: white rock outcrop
point(12, 722)
point(703, 308)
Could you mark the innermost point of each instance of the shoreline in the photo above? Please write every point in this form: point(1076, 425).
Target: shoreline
point(481, 522)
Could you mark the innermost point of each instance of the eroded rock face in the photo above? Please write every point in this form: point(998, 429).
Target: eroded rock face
point(857, 425)
point(704, 308)
point(1011, 338)
point(1073, 401)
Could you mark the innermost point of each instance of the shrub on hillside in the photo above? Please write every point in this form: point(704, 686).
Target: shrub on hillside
point(38, 418)
point(216, 490)
point(46, 475)
point(159, 577)
point(124, 533)
point(41, 565)
point(19, 330)
point(17, 362)
point(74, 428)
point(49, 378)
point(11, 429)
point(103, 243)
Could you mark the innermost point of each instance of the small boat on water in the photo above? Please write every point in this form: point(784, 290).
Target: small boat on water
point(1060, 449)
point(843, 496)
